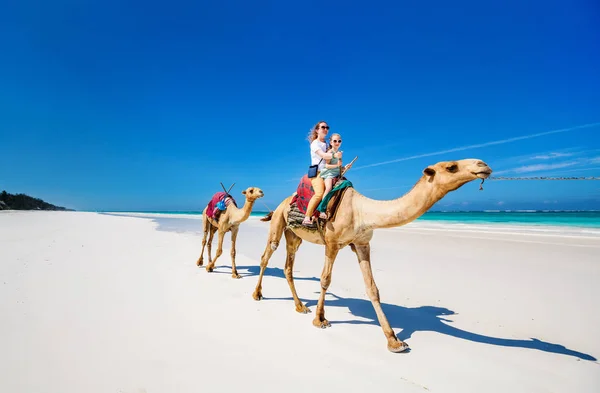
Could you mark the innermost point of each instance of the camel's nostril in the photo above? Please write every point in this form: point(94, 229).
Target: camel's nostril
point(481, 163)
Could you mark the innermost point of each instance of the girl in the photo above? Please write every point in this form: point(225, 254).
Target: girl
point(333, 165)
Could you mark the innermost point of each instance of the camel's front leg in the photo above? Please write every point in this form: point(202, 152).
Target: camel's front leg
point(292, 242)
point(234, 233)
point(221, 236)
point(364, 259)
point(330, 254)
point(209, 267)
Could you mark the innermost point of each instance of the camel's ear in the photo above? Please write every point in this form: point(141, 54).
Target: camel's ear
point(429, 172)
point(244, 192)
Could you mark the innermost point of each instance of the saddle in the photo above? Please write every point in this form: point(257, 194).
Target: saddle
point(218, 203)
point(328, 205)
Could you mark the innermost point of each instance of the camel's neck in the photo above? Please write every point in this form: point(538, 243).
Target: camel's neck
point(239, 215)
point(397, 212)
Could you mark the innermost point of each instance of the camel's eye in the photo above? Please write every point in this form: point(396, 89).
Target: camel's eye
point(452, 168)
point(251, 191)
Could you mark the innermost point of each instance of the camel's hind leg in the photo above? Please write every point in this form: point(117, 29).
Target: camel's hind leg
point(363, 253)
point(205, 229)
point(292, 243)
point(234, 232)
point(275, 232)
point(209, 267)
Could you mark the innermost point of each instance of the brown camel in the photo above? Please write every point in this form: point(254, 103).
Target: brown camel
point(353, 224)
point(229, 220)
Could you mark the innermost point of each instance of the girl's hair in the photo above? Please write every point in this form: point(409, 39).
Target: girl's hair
point(314, 132)
point(332, 135)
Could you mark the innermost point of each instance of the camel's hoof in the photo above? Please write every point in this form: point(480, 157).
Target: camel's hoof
point(321, 324)
point(209, 269)
point(199, 262)
point(398, 346)
point(257, 296)
point(235, 275)
point(302, 309)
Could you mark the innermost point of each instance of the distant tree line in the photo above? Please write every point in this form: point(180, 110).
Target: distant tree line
point(25, 202)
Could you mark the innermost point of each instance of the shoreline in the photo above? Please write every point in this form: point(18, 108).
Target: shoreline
point(524, 228)
point(430, 225)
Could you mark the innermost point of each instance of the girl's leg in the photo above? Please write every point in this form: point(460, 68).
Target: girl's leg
point(328, 186)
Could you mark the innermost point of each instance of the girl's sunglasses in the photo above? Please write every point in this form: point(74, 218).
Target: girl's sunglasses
point(336, 140)
point(325, 127)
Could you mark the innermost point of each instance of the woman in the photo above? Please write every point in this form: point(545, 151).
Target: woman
point(318, 155)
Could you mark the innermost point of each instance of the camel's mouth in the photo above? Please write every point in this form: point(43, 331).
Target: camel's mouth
point(483, 174)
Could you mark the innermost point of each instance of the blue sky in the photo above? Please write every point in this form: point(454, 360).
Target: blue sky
point(148, 106)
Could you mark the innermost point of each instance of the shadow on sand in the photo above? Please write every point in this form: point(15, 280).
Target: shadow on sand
point(254, 270)
point(430, 318)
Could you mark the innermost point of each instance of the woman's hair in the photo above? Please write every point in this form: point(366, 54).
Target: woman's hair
point(313, 134)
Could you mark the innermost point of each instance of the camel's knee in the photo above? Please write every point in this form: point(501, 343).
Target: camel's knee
point(325, 281)
point(274, 245)
point(288, 272)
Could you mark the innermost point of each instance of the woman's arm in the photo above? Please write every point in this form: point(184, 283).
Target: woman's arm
point(328, 156)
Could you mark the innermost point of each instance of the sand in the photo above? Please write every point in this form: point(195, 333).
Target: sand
point(107, 303)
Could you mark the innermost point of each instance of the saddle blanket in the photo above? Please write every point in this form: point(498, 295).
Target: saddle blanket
point(305, 191)
point(219, 201)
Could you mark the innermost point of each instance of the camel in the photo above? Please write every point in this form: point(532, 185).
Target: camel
point(229, 220)
point(353, 224)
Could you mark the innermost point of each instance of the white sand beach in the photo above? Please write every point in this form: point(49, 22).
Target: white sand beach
point(112, 303)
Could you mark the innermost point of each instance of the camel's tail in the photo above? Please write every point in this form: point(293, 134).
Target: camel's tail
point(267, 217)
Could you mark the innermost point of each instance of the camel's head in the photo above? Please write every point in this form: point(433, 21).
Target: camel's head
point(253, 193)
point(450, 175)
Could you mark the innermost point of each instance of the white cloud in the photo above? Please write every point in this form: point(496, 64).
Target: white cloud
point(550, 156)
point(580, 163)
point(544, 167)
point(500, 142)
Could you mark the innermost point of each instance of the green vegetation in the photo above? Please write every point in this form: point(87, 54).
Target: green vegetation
point(25, 202)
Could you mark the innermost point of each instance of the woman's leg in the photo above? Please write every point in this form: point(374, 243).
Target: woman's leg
point(319, 188)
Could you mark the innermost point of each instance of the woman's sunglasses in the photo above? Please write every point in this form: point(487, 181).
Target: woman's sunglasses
point(325, 127)
point(336, 140)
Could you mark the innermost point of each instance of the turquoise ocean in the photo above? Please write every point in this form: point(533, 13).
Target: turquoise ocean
point(585, 219)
